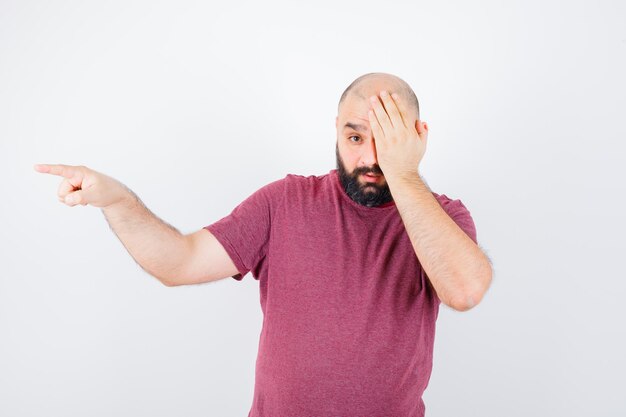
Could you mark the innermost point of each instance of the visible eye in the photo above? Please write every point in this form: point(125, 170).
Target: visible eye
point(353, 137)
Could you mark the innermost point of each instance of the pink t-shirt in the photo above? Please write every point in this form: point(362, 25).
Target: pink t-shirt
point(348, 313)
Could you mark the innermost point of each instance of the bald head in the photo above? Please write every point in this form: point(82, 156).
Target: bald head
point(370, 83)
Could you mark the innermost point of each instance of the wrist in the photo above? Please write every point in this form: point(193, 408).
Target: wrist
point(405, 177)
point(126, 201)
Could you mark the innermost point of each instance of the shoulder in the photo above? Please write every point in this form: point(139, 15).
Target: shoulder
point(273, 187)
point(270, 194)
point(291, 185)
point(453, 206)
point(306, 178)
point(299, 181)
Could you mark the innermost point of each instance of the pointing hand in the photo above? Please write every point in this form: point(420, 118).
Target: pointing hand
point(83, 186)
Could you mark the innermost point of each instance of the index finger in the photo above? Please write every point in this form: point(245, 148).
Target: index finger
point(66, 171)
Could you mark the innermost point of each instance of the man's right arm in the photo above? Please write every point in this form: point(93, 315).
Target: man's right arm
point(163, 251)
point(159, 248)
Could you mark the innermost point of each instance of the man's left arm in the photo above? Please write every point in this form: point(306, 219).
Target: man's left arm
point(456, 267)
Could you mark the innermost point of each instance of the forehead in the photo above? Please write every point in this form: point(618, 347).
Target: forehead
point(354, 110)
point(353, 115)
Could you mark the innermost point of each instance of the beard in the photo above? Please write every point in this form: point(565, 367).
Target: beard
point(368, 194)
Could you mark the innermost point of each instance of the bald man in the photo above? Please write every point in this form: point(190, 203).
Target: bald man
point(352, 264)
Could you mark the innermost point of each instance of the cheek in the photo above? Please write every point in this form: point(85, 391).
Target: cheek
point(350, 157)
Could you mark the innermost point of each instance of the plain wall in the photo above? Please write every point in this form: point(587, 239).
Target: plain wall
point(195, 105)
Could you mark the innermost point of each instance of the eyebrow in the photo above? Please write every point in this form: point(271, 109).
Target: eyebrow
point(355, 126)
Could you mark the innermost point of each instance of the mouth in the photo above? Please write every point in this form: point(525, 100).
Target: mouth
point(371, 177)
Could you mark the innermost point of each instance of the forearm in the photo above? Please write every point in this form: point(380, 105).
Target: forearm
point(156, 246)
point(455, 265)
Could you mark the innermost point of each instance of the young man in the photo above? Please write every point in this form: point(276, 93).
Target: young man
point(352, 264)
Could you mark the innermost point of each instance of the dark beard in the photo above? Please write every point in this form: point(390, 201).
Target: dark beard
point(369, 195)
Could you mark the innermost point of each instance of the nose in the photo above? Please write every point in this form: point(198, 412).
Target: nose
point(368, 154)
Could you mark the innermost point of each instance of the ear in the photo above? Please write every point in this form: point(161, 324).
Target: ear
point(336, 122)
point(421, 127)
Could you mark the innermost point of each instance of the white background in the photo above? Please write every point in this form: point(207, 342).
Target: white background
point(195, 105)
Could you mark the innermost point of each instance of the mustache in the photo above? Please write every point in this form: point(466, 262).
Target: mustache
point(366, 170)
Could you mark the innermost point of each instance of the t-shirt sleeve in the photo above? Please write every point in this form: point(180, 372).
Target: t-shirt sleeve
point(461, 215)
point(245, 232)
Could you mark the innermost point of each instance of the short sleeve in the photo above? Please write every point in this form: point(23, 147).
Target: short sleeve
point(460, 214)
point(245, 232)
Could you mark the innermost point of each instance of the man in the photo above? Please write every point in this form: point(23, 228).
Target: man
point(352, 264)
